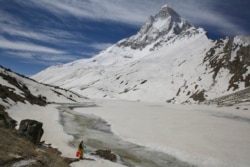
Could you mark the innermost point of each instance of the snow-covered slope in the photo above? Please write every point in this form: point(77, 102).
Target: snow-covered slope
point(19, 89)
point(167, 60)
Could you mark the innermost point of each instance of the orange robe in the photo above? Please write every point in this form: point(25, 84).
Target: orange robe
point(80, 149)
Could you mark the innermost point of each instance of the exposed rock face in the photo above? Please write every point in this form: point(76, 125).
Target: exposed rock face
point(161, 27)
point(32, 130)
point(106, 154)
point(6, 121)
point(9, 92)
point(232, 99)
point(231, 54)
point(17, 151)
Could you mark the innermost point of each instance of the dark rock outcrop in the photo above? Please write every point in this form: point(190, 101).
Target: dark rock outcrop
point(32, 130)
point(106, 154)
point(228, 54)
point(6, 121)
point(9, 92)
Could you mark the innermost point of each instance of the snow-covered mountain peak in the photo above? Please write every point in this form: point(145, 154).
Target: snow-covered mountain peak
point(168, 19)
point(168, 59)
point(164, 26)
point(166, 12)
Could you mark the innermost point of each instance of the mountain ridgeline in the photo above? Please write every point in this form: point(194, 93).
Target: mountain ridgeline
point(15, 88)
point(168, 60)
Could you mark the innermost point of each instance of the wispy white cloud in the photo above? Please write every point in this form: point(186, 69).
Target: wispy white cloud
point(24, 46)
point(44, 34)
point(22, 54)
point(44, 56)
point(220, 23)
point(41, 57)
point(205, 13)
point(136, 12)
point(16, 27)
point(8, 19)
point(129, 11)
point(57, 57)
point(22, 32)
point(100, 46)
point(31, 53)
point(88, 53)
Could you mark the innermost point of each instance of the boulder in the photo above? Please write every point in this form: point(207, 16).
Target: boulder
point(106, 154)
point(31, 129)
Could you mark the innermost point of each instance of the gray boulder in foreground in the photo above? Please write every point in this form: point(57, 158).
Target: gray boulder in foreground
point(31, 129)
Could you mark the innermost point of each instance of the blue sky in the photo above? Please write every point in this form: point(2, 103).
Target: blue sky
point(35, 34)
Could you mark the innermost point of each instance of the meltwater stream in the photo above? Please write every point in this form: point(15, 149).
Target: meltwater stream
point(96, 134)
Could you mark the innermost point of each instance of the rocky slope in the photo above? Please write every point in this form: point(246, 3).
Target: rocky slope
point(18, 147)
point(18, 151)
point(168, 60)
point(15, 88)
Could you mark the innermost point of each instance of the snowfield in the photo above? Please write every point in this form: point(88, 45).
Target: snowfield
point(205, 136)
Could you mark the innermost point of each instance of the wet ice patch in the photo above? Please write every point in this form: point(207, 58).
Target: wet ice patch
point(99, 124)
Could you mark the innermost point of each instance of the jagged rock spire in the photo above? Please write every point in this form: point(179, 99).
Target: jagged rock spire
point(165, 20)
point(165, 24)
point(166, 11)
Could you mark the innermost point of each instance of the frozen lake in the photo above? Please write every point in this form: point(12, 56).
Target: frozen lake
point(200, 135)
point(97, 135)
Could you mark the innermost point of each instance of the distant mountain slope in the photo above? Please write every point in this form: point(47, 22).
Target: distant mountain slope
point(168, 60)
